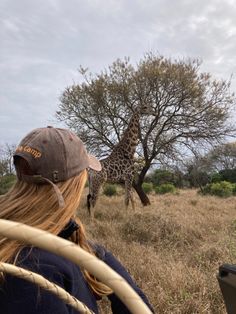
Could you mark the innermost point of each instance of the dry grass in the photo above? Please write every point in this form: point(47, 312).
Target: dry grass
point(172, 248)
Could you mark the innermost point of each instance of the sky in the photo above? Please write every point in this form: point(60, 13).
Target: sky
point(43, 43)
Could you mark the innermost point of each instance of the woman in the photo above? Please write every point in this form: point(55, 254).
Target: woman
point(51, 170)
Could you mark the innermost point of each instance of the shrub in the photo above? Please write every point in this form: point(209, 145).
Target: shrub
point(6, 183)
point(162, 176)
point(228, 175)
point(110, 189)
point(234, 188)
point(216, 177)
point(222, 189)
point(206, 189)
point(165, 188)
point(147, 187)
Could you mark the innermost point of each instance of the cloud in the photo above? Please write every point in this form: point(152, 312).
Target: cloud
point(43, 43)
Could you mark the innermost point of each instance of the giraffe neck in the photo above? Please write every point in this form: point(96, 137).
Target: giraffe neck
point(127, 145)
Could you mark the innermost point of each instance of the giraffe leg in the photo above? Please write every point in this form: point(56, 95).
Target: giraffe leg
point(93, 199)
point(129, 194)
point(132, 199)
point(94, 187)
point(126, 195)
point(89, 203)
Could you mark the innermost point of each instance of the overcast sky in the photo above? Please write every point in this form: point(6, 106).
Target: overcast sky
point(43, 43)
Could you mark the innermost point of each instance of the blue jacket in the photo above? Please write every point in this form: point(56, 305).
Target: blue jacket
point(18, 296)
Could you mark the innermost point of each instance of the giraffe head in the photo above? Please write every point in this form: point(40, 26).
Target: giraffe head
point(144, 109)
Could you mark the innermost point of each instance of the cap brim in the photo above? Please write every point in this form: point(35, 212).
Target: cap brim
point(94, 163)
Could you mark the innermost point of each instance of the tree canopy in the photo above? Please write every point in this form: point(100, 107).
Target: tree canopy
point(6, 153)
point(188, 107)
point(223, 156)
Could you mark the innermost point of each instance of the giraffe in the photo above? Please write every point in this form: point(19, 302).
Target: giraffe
point(118, 167)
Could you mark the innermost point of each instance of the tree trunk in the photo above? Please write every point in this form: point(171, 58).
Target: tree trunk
point(142, 195)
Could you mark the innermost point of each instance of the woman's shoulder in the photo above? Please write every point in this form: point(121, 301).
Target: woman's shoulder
point(19, 294)
point(42, 261)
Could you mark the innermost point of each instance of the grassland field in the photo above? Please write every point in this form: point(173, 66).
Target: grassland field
point(172, 248)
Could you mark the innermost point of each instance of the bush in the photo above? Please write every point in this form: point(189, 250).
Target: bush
point(165, 188)
point(222, 189)
point(147, 187)
point(234, 188)
point(216, 177)
point(162, 176)
point(206, 189)
point(110, 189)
point(228, 175)
point(6, 183)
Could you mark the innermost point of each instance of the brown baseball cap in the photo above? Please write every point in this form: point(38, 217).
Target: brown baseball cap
point(54, 154)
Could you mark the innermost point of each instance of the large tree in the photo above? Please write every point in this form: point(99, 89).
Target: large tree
point(188, 107)
point(223, 156)
point(6, 153)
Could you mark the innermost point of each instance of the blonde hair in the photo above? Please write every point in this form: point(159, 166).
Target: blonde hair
point(37, 206)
